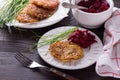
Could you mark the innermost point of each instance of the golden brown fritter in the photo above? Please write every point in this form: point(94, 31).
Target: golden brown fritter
point(36, 12)
point(25, 18)
point(47, 4)
point(66, 51)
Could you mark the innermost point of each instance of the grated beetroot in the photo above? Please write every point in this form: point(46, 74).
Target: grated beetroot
point(82, 38)
point(94, 6)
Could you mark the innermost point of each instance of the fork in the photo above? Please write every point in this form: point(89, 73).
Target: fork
point(25, 61)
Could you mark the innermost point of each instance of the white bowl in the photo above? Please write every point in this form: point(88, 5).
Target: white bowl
point(92, 20)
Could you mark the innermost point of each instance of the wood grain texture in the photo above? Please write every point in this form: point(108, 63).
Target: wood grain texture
point(11, 69)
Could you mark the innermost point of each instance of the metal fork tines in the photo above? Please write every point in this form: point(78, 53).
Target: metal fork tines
point(25, 61)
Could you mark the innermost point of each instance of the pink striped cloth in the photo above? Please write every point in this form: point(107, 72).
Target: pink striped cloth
point(108, 63)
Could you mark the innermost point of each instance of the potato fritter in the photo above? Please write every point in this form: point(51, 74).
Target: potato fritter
point(47, 4)
point(25, 18)
point(66, 51)
point(36, 12)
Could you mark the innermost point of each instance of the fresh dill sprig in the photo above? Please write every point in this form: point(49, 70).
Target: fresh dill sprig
point(10, 9)
point(46, 40)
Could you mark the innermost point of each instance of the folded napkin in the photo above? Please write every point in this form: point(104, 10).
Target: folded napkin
point(108, 63)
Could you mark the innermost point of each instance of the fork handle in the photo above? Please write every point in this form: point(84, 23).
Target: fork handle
point(66, 76)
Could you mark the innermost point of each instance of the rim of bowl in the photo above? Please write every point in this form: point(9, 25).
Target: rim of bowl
point(111, 6)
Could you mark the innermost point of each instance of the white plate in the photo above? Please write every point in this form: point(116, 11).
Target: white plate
point(90, 54)
point(56, 17)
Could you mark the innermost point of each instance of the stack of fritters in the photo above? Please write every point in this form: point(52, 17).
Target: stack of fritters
point(37, 10)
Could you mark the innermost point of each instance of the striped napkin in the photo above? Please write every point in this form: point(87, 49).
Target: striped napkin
point(108, 63)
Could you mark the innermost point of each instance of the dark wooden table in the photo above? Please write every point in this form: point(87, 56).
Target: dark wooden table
point(11, 69)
